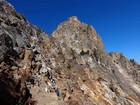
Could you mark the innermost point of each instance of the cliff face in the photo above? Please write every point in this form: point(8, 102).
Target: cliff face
point(69, 67)
point(78, 35)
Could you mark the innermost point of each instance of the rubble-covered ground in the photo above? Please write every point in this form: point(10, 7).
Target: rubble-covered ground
point(70, 67)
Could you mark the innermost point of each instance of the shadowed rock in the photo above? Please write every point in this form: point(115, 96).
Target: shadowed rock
point(70, 67)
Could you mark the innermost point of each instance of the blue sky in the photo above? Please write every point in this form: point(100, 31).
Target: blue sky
point(116, 21)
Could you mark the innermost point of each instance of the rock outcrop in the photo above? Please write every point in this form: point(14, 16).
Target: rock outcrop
point(70, 67)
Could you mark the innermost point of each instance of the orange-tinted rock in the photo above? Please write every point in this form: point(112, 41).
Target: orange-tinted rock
point(69, 67)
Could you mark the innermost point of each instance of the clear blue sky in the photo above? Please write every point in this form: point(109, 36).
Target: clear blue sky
point(116, 21)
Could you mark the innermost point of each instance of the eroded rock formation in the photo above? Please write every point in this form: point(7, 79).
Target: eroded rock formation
point(70, 67)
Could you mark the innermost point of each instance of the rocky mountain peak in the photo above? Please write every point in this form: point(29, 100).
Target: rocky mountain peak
point(78, 35)
point(73, 18)
point(70, 67)
point(73, 21)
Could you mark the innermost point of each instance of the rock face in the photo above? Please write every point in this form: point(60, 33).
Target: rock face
point(78, 35)
point(70, 67)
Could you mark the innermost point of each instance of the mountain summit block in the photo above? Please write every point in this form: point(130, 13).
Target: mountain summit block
point(70, 67)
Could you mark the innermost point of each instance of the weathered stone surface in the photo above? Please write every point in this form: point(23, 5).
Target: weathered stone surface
point(70, 67)
point(78, 35)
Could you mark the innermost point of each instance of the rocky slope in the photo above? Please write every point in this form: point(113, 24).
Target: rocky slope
point(70, 67)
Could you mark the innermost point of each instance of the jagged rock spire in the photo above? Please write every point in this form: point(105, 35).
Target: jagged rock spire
point(70, 65)
point(74, 31)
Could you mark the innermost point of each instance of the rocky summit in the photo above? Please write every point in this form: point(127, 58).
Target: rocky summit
point(69, 67)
